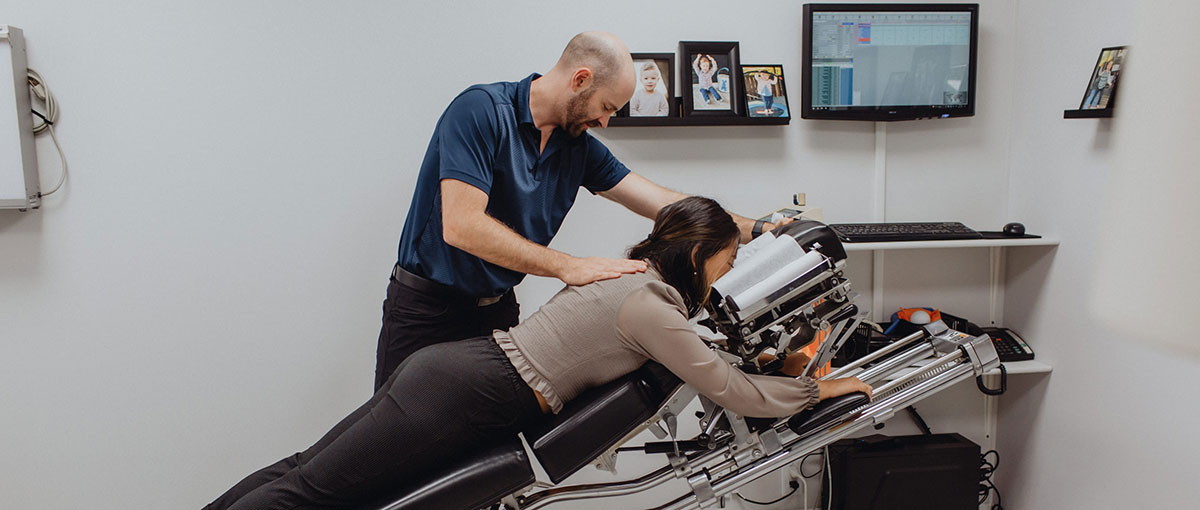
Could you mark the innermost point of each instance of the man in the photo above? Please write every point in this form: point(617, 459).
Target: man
point(502, 169)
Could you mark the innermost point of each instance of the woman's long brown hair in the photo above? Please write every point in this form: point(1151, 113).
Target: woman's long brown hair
point(694, 223)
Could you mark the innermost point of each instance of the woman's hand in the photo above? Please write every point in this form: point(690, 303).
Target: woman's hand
point(839, 387)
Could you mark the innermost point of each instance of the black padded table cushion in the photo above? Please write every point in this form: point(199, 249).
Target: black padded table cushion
point(825, 412)
point(497, 471)
point(599, 417)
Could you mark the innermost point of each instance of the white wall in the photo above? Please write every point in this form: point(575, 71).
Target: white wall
point(1112, 427)
point(203, 296)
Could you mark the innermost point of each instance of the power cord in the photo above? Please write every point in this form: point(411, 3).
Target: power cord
point(827, 495)
point(829, 473)
point(986, 487)
point(805, 458)
point(42, 93)
point(772, 502)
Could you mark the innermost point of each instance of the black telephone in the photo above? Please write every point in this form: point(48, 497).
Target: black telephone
point(1009, 345)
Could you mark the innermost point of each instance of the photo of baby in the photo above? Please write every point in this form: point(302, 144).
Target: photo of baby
point(710, 81)
point(765, 96)
point(653, 94)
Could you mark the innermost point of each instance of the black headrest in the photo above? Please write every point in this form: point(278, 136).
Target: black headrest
point(811, 233)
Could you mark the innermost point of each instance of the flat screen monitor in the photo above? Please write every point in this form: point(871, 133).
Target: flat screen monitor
point(885, 62)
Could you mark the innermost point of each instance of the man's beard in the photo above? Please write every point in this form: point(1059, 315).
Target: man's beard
point(576, 120)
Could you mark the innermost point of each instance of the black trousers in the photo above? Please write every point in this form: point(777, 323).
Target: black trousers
point(442, 403)
point(420, 312)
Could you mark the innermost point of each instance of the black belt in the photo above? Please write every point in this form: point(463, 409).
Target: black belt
point(439, 289)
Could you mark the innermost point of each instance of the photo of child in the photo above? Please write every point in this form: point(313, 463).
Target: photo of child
point(705, 93)
point(1104, 79)
point(765, 96)
point(651, 98)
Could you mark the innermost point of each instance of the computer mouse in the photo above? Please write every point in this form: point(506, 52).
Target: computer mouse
point(1014, 229)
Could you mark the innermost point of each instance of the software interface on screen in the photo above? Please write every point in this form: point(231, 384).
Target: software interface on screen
point(890, 59)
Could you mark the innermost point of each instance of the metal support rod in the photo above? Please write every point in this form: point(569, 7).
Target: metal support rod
point(880, 371)
point(916, 374)
point(893, 347)
point(546, 497)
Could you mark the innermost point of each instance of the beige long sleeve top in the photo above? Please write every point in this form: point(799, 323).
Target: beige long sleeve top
point(589, 335)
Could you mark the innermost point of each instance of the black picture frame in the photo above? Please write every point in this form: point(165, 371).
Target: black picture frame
point(712, 101)
point(1101, 91)
point(755, 103)
point(666, 67)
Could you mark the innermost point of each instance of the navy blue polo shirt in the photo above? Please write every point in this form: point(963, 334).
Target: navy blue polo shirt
point(486, 138)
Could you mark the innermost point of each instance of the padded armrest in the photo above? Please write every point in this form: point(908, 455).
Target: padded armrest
point(598, 418)
point(826, 411)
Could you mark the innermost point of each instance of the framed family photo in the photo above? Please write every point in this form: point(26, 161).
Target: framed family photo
point(765, 92)
point(710, 78)
point(1101, 93)
point(654, 95)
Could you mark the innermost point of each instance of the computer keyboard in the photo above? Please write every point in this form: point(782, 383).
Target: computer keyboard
point(880, 232)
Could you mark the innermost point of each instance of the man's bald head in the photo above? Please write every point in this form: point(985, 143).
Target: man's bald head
point(602, 52)
point(591, 81)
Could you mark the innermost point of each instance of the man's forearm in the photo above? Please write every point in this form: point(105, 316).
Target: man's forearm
point(640, 195)
point(746, 227)
point(646, 198)
point(491, 240)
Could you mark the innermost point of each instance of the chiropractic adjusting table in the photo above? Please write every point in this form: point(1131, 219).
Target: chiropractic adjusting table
point(786, 291)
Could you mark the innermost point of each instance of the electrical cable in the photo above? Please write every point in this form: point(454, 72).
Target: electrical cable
point(912, 411)
point(986, 486)
point(804, 458)
point(42, 93)
point(803, 483)
point(772, 502)
point(829, 473)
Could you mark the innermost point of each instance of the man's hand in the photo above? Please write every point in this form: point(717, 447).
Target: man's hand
point(782, 222)
point(768, 226)
point(839, 387)
point(582, 271)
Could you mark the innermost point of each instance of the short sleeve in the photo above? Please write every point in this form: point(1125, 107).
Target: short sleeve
point(467, 140)
point(603, 169)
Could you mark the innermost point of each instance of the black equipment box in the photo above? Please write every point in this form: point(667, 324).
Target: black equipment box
point(921, 472)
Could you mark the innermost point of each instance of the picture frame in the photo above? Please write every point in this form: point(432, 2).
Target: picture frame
point(659, 102)
point(704, 90)
point(758, 104)
point(1101, 91)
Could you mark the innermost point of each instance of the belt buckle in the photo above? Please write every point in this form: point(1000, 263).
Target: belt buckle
point(488, 301)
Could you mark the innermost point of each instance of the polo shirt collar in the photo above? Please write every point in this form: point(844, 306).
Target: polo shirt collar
point(524, 115)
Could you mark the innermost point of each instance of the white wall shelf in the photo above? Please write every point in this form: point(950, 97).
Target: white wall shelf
point(961, 243)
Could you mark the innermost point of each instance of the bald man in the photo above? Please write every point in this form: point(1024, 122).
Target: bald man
point(503, 168)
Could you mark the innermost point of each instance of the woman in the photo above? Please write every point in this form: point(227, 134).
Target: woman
point(448, 399)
